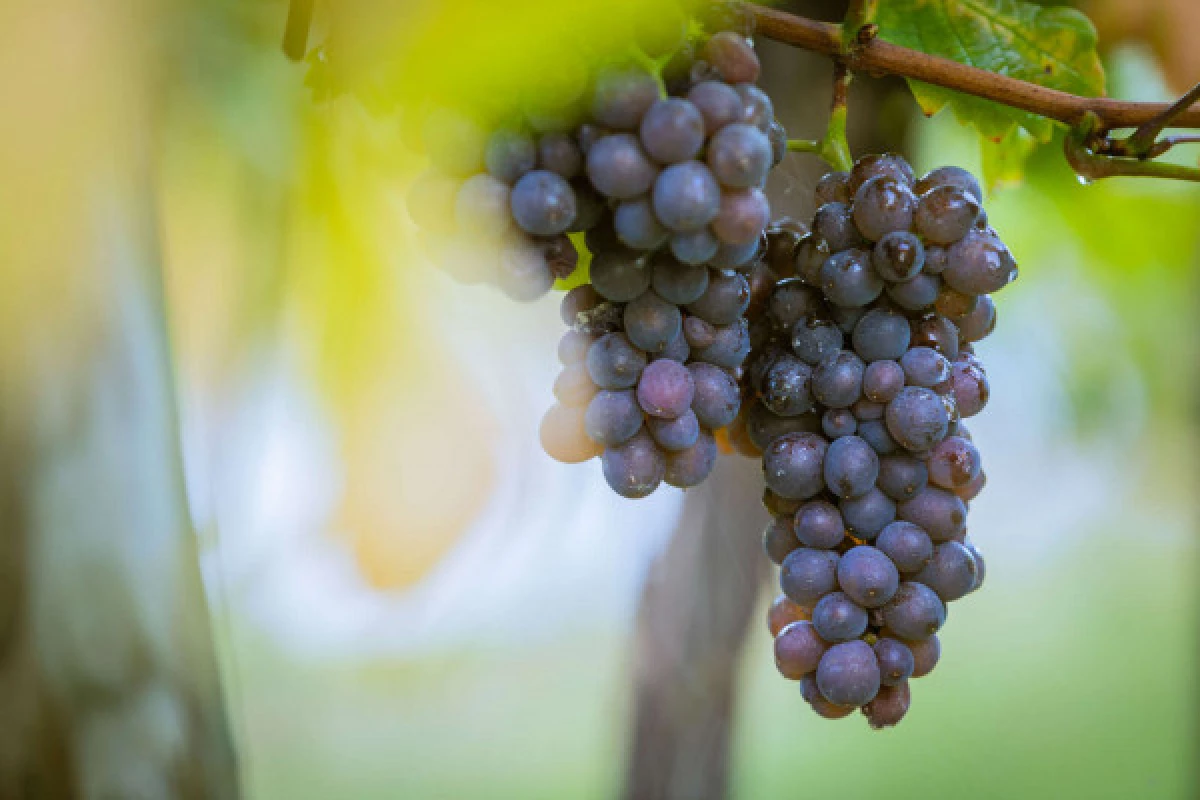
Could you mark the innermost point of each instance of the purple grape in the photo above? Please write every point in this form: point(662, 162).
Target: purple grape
point(941, 514)
point(980, 566)
point(837, 618)
point(819, 525)
point(543, 203)
point(950, 176)
point(917, 418)
point(731, 345)
point(798, 650)
point(665, 389)
point(851, 467)
point(907, 545)
point(901, 476)
point(716, 398)
point(868, 576)
point(732, 256)
point(678, 283)
point(875, 433)
point(619, 276)
point(849, 280)
point(951, 573)
point(590, 206)
point(969, 385)
point(694, 247)
point(510, 154)
point(837, 380)
point(945, 214)
point(878, 165)
point(636, 225)
point(742, 216)
point(807, 575)
point(675, 434)
point(779, 538)
point(718, 103)
point(867, 514)
point(898, 256)
point(676, 350)
point(926, 653)
point(833, 187)
point(786, 386)
point(793, 465)
point(848, 674)
point(790, 302)
point(740, 156)
point(732, 56)
point(917, 294)
point(895, 661)
point(652, 323)
point(822, 707)
point(622, 96)
point(724, 301)
point(559, 153)
point(865, 410)
point(635, 468)
point(815, 339)
point(811, 253)
point(881, 335)
point(672, 130)
point(687, 468)
point(980, 322)
point(915, 612)
point(834, 223)
point(924, 366)
point(954, 463)
point(757, 109)
point(613, 417)
point(937, 332)
point(686, 196)
point(888, 707)
point(882, 205)
point(838, 422)
point(482, 206)
point(618, 167)
point(614, 363)
point(979, 263)
point(882, 380)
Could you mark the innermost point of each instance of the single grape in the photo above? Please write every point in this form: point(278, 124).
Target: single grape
point(875, 433)
point(815, 339)
point(733, 57)
point(688, 468)
point(543, 203)
point(686, 196)
point(779, 538)
point(941, 514)
point(868, 576)
point(798, 650)
point(481, 207)
point(881, 335)
point(979, 263)
point(836, 618)
point(694, 247)
point(950, 176)
point(916, 418)
point(559, 153)
point(954, 304)
point(867, 514)
point(590, 206)
point(934, 330)
point(834, 223)
point(970, 388)
point(724, 301)
point(619, 276)
point(622, 95)
point(651, 323)
point(895, 661)
point(971, 490)
point(833, 187)
point(618, 167)
point(510, 154)
point(678, 283)
point(573, 347)
point(672, 130)
point(823, 708)
point(718, 103)
point(739, 155)
point(882, 380)
point(731, 345)
point(849, 280)
point(951, 572)
point(614, 363)
point(901, 476)
point(917, 294)
point(757, 109)
point(838, 422)
point(665, 389)
point(783, 237)
point(944, 214)
point(882, 205)
point(848, 674)
point(837, 380)
point(736, 256)
point(577, 300)
point(563, 436)
point(742, 216)
point(907, 545)
point(574, 386)
point(898, 256)
point(915, 612)
point(636, 225)
point(936, 260)
point(807, 575)
point(979, 322)
point(889, 706)
point(716, 398)
point(676, 350)
point(786, 386)
point(635, 468)
point(819, 525)
point(791, 301)
point(877, 165)
point(925, 367)
point(811, 253)
point(613, 417)
point(954, 463)
point(523, 273)
point(850, 467)
point(926, 653)
point(793, 464)
point(784, 612)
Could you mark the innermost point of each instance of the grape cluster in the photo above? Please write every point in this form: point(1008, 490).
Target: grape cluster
point(860, 385)
point(677, 231)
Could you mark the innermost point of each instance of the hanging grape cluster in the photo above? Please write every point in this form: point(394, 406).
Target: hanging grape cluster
point(860, 391)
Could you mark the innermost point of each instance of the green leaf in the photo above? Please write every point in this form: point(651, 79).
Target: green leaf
point(1054, 47)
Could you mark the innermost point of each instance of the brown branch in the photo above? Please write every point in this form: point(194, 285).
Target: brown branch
point(877, 56)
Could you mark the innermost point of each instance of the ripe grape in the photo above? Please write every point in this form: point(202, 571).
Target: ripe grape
point(694, 247)
point(716, 398)
point(868, 576)
point(676, 350)
point(916, 418)
point(811, 253)
point(875, 433)
point(837, 618)
point(791, 302)
point(510, 154)
point(613, 417)
point(925, 367)
point(731, 345)
point(784, 612)
point(937, 332)
point(954, 463)
point(926, 653)
point(916, 294)
point(733, 57)
point(724, 300)
point(651, 323)
point(687, 468)
point(543, 203)
point(915, 612)
point(867, 514)
point(559, 153)
point(979, 263)
point(979, 322)
point(907, 545)
point(818, 524)
point(665, 389)
point(969, 385)
point(807, 575)
point(614, 363)
point(742, 216)
point(798, 650)
point(618, 167)
point(882, 335)
point(951, 572)
point(865, 410)
point(636, 225)
point(523, 273)
point(718, 103)
point(833, 187)
point(895, 661)
point(954, 304)
point(944, 214)
point(882, 380)
point(622, 95)
point(779, 538)
point(678, 283)
point(851, 467)
point(823, 708)
point(619, 276)
point(672, 130)
point(837, 380)
point(950, 176)
point(838, 422)
point(834, 223)
point(686, 196)
point(793, 464)
point(815, 339)
point(888, 707)
point(848, 674)
point(898, 256)
point(634, 468)
point(941, 514)
point(757, 109)
point(698, 332)
point(785, 386)
point(882, 205)
point(849, 280)
point(730, 256)
point(887, 165)
point(739, 155)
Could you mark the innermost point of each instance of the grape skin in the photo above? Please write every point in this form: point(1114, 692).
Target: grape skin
point(838, 422)
point(849, 280)
point(925, 367)
point(882, 380)
point(898, 256)
point(614, 363)
point(867, 514)
point(895, 661)
point(848, 674)
point(686, 196)
point(837, 381)
point(716, 398)
point(618, 167)
point(622, 96)
point(951, 573)
point(833, 187)
point(730, 346)
point(619, 277)
point(834, 223)
point(635, 468)
point(665, 389)
point(819, 525)
point(954, 463)
point(724, 301)
point(926, 654)
point(510, 154)
point(807, 575)
point(779, 539)
point(651, 323)
point(481, 207)
point(786, 387)
point(814, 339)
point(739, 156)
point(742, 216)
point(559, 153)
point(798, 650)
point(941, 514)
point(851, 467)
point(837, 618)
point(888, 707)
point(945, 214)
point(732, 56)
point(875, 433)
point(613, 417)
point(793, 463)
point(694, 247)
point(678, 283)
point(887, 165)
point(636, 225)
point(543, 203)
point(867, 576)
point(573, 347)
point(882, 335)
point(979, 263)
point(917, 294)
point(950, 176)
point(883, 205)
point(718, 103)
point(672, 130)
point(823, 708)
point(907, 545)
point(916, 418)
point(784, 612)
point(915, 612)
point(687, 468)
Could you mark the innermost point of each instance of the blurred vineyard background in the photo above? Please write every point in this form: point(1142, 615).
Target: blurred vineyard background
point(408, 599)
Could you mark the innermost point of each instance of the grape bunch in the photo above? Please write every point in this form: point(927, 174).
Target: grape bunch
point(653, 359)
point(861, 381)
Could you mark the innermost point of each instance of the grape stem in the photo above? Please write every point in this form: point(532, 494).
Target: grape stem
point(875, 56)
point(832, 147)
point(295, 34)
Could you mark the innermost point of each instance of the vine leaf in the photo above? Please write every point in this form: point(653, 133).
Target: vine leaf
point(1051, 46)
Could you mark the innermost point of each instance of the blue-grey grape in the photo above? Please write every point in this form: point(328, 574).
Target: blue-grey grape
point(613, 417)
point(672, 130)
point(793, 464)
point(634, 468)
point(906, 544)
point(543, 203)
point(848, 674)
point(819, 525)
point(665, 389)
point(807, 575)
point(837, 618)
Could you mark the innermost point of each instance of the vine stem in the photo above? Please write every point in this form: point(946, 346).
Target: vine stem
point(872, 55)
